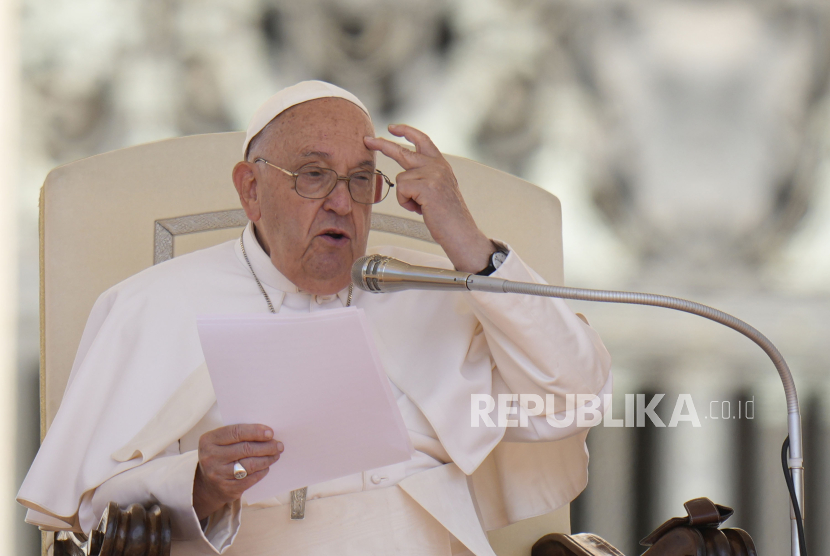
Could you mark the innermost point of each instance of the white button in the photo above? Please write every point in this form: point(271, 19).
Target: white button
point(320, 299)
point(376, 479)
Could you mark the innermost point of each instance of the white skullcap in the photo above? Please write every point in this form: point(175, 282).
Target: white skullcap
point(292, 96)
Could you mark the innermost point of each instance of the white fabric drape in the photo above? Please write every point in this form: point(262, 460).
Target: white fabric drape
point(140, 356)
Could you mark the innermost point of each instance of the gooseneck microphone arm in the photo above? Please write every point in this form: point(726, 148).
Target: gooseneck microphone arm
point(381, 274)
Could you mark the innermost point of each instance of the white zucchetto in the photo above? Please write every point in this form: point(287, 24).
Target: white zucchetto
point(292, 96)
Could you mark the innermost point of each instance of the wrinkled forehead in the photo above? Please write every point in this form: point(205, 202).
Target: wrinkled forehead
point(324, 113)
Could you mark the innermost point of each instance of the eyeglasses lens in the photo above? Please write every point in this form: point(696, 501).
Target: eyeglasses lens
point(365, 187)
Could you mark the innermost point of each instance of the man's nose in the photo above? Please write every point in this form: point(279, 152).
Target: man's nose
point(339, 200)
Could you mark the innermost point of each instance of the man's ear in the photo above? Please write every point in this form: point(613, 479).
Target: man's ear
point(244, 179)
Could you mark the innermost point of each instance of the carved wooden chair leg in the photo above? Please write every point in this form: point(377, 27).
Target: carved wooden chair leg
point(135, 531)
point(696, 533)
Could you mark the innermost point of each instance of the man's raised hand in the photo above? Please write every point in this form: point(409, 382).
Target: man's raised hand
point(428, 186)
point(253, 446)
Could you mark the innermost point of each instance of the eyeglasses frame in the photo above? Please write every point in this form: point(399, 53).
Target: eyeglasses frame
point(348, 179)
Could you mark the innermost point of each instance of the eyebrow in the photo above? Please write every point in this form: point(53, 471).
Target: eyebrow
point(326, 156)
point(316, 154)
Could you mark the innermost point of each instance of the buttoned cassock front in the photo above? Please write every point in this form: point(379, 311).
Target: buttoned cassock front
point(139, 396)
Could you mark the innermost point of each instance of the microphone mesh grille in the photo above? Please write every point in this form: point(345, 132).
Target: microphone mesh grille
point(357, 272)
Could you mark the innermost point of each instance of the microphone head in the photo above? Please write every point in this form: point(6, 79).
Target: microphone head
point(365, 273)
point(382, 274)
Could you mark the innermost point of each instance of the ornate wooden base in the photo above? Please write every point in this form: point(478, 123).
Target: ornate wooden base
point(697, 533)
point(131, 532)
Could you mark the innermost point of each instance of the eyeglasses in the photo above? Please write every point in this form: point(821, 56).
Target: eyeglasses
point(313, 182)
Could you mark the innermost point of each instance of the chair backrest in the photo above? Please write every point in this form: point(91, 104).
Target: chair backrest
point(109, 216)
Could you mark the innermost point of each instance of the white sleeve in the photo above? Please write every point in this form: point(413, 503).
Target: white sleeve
point(539, 346)
point(167, 480)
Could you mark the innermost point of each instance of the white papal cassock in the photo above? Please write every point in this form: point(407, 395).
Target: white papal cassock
point(139, 397)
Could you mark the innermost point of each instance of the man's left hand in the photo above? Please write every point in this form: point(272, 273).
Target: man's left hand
point(428, 186)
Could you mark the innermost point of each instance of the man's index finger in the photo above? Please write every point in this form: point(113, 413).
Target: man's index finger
point(233, 434)
point(423, 144)
point(400, 154)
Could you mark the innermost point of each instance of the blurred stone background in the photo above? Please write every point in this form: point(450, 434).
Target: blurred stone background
point(687, 140)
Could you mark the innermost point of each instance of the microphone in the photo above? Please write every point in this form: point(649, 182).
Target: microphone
point(382, 274)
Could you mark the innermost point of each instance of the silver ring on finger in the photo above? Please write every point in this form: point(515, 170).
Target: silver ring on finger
point(239, 472)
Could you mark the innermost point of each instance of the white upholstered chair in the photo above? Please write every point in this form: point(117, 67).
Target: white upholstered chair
point(109, 216)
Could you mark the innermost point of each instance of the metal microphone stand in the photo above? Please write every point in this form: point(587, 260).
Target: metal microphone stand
point(796, 457)
point(379, 274)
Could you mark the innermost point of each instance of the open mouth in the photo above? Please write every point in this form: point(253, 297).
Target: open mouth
point(335, 236)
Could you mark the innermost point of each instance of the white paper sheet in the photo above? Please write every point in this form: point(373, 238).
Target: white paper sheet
point(315, 379)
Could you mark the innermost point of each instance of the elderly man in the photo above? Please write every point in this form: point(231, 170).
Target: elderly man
point(153, 433)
